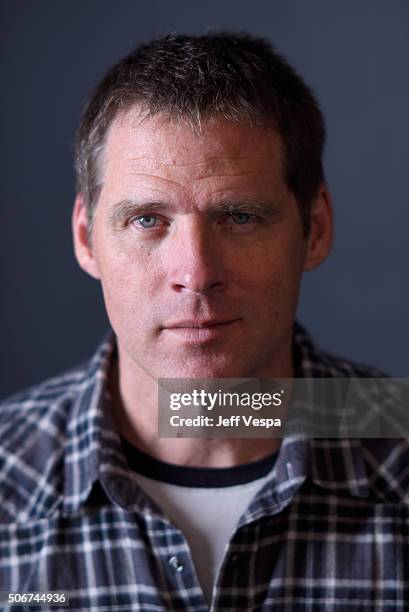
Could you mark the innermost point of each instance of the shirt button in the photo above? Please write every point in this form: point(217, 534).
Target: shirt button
point(235, 558)
point(175, 564)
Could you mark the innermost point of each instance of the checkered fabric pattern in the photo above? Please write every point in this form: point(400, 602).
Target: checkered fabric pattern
point(329, 530)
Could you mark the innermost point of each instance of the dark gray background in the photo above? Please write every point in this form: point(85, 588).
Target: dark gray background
point(356, 57)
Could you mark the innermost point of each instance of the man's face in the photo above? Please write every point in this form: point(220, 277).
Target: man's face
point(199, 246)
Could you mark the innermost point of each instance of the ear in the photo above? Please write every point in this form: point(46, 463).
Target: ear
point(322, 230)
point(82, 244)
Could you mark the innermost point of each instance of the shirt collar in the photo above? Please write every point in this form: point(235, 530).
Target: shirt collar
point(337, 466)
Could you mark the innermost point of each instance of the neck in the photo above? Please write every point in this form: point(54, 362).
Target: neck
point(135, 411)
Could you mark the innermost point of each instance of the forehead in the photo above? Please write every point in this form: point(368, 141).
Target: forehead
point(216, 147)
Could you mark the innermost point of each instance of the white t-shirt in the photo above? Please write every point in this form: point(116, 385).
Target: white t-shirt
point(207, 513)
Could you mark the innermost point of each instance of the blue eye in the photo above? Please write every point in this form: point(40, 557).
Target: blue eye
point(147, 221)
point(240, 218)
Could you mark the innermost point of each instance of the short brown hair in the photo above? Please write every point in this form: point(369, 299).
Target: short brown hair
point(191, 78)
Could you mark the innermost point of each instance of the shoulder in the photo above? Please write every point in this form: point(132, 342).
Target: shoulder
point(47, 434)
point(312, 362)
point(43, 398)
point(341, 367)
point(373, 394)
point(52, 396)
point(33, 440)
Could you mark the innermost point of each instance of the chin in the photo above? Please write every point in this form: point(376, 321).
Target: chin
point(204, 371)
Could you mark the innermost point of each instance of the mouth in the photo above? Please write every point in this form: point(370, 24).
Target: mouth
point(200, 331)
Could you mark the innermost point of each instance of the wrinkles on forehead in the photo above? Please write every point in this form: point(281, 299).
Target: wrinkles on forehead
point(197, 171)
point(145, 157)
point(135, 121)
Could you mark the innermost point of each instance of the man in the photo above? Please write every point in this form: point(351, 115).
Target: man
point(201, 201)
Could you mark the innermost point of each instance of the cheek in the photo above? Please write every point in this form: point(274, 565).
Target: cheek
point(268, 266)
point(128, 281)
point(270, 282)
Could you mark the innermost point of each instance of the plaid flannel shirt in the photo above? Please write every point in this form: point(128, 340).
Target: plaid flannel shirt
point(328, 531)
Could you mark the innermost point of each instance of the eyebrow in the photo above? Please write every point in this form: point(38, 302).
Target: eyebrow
point(127, 208)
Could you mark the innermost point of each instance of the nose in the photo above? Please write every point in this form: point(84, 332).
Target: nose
point(195, 259)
